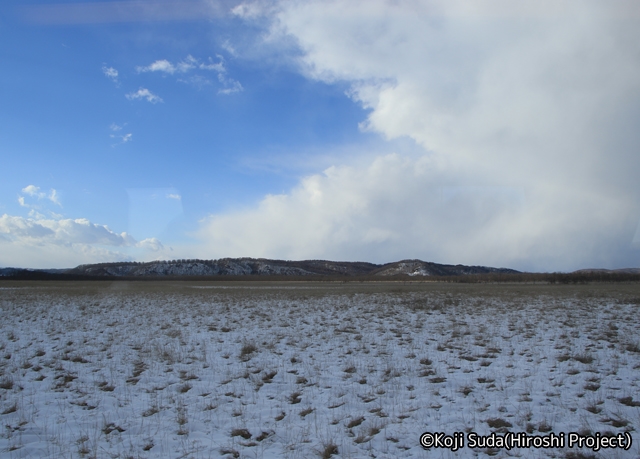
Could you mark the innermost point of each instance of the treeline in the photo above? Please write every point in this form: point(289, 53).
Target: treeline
point(526, 278)
point(543, 278)
point(43, 275)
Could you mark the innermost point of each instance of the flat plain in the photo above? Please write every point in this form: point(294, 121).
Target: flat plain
point(301, 370)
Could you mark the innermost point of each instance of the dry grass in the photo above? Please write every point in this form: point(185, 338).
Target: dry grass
point(248, 349)
point(329, 450)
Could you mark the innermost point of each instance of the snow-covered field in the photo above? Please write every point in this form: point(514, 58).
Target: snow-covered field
point(292, 370)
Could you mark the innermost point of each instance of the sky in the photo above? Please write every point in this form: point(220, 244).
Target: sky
point(488, 132)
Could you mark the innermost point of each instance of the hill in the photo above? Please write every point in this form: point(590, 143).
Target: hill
point(267, 267)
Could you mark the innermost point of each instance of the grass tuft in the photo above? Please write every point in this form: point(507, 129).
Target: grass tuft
point(248, 349)
point(329, 450)
point(355, 422)
point(244, 433)
point(496, 423)
point(6, 383)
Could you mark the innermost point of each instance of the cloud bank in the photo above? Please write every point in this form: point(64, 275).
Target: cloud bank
point(526, 117)
point(52, 241)
point(62, 243)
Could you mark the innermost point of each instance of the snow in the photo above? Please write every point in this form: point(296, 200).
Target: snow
point(169, 370)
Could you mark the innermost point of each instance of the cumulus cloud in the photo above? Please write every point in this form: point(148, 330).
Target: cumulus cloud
point(21, 228)
point(396, 207)
point(525, 115)
point(144, 93)
point(34, 192)
point(51, 240)
point(110, 73)
point(162, 65)
point(152, 244)
point(60, 232)
point(45, 242)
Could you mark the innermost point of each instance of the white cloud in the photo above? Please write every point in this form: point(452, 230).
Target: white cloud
point(34, 214)
point(54, 198)
point(61, 232)
point(253, 10)
point(110, 73)
point(230, 86)
point(228, 47)
point(541, 99)
point(57, 256)
point(162, 65)
point(190, 63)
point(214, 66)
point(52, 240)
point(184, 66)
point(42, 242)
point(22, 228)
point(395, 207)
point(152, 244)
point(144, 93)
point(34, 192)
point(123, 138)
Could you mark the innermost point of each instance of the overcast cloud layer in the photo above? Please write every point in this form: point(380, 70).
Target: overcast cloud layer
point(526, 117)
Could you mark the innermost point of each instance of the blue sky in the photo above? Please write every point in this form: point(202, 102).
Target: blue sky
point(483, 132)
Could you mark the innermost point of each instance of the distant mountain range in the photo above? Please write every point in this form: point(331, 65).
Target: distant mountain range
point(256, 267)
